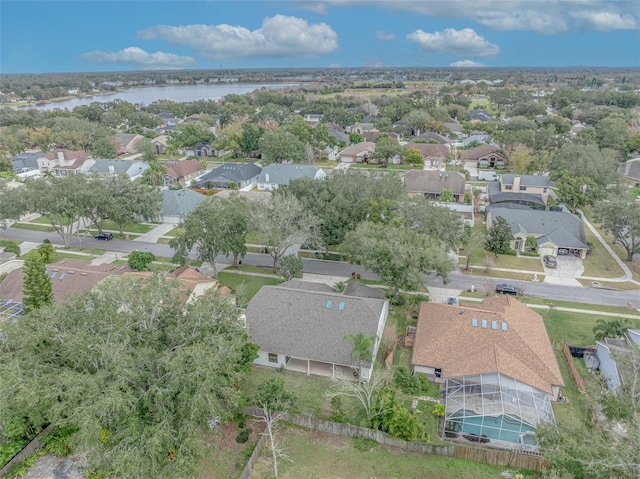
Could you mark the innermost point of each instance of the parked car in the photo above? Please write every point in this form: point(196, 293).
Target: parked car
point(104, 236)
point(506, 288)
point(550, 261)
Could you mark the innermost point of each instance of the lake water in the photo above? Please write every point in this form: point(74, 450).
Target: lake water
point(175, 93)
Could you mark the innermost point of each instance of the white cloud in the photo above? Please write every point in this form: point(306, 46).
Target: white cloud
point(461, 42)
point(315, 7)
point(465, 64)
point(140, 58)
point(382, 35)
point(279, 36)
point(604, 21)
point(542, 16)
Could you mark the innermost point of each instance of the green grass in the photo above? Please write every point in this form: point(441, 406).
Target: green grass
point(481, 257)
point(575, 410)
point(175, 231)
point(251, 283)
point(139, 228)
point(571, 304)
point(43, 220)
point(58, 255)
point(32, 226)
point(506, 274)
point(599, 263)
point(256, 269)
point(316, 455)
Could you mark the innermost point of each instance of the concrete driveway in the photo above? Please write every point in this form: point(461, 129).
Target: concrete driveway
point(472, 168)
point(565, 273)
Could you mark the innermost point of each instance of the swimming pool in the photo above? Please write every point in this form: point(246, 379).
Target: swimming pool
point(502, 427)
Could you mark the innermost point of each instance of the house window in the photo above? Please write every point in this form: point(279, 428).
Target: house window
point(438, 373)
point(544, 190)
point(523, 188)
point(273, 358)
point(507, 187)
point(483, 162)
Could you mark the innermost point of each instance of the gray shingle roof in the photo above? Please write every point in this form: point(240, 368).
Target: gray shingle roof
point(430, 181)
point(526, 180)
point(299, 324)
point(307, 286)
point(565, 230)
point(109, 166)
point(26, 160)
point(233, 172)
point(180, 202)
point(361, 290)
point(631, 168)
point(498, 196)
point(280, 174)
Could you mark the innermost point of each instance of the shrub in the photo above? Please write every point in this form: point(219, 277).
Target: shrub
point(337, 412)
point(363, 444)
point(10, 246)
point(438, 410)
point(58, 441)
point(140, 260)
point(413, 384)
point(243, 435)
point(396, 300)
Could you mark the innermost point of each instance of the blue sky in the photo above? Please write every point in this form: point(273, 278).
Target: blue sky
point(68, 36)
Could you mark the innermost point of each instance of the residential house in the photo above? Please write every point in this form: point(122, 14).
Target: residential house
point(132, 168)
point(193, 284)
point(312, 118)
point(25, 165)
point(358, 153)
point(277, 175)
point(339, 136)
point(126, 142)
point(483, 156)
point(231, 175)
point(480, 138)
point(479, 116)
point(160, 144)
point(176, 204)
point(498, 370)
point(431, 183)
point(182, 171)
point(630, 171)
point(556, 232)
point(529, 190)
point(372, 136)
point(361, 128)
point(304, 329)
point(609, 353)
point(68, 277)
point(433, 137)
point(433, 155)
point(65, 162)
point(454, 127)
point(578, 127)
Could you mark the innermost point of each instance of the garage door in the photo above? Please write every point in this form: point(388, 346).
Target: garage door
point(544, 250)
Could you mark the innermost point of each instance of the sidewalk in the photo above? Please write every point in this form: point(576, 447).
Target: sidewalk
point(156, 233)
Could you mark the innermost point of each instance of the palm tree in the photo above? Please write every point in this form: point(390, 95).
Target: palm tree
point(154, 175)
point(615, 328)
point(361, 350)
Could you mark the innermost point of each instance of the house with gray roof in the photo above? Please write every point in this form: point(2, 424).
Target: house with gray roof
point(26, 164)
point(610, 351)
point(304, 329)
point(178, 203)
point(431, 183)
point(528, 190)
point(630, 171)
point(556, 232)
point(108, 167)
point(276, 175)
point(244, 175)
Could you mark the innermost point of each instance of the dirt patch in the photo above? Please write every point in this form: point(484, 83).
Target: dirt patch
point(228, 457)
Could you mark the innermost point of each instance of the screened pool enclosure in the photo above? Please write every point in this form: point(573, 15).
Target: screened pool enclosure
point(494, 408)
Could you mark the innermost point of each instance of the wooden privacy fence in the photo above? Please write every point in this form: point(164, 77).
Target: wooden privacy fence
point(572, 367)
point(498, 457)
point(255, 455)
point(29, 449)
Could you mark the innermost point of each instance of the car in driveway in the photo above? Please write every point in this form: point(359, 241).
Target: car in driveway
point(104, 236)
point(506, 288)
point(550, 261)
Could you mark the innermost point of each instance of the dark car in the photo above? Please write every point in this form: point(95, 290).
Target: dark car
point(550, 261)
point(104, 236)
point(505, 288)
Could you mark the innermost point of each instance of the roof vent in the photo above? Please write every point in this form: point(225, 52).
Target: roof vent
point(474, 322)
point(328, 305)
point(484, 324)
point(461, 311)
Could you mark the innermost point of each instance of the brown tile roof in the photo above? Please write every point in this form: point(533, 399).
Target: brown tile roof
point(372, 136)
point(445, 338)
point(430, 181)
point(478, 152)
point(358, 147)
point(68, 155)
point(430, 150)
point(183, 168)
point(77, 277)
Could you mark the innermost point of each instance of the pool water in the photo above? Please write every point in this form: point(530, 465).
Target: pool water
point(502, 427)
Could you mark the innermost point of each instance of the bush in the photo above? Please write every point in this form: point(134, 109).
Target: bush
point(10, 246)
point(243, 435)
point(58, 441)
point(413, 384)
point(140, 260)
point(337, 412)
point(396, 300)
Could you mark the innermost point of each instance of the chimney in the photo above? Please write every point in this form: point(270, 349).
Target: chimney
point(516, 183)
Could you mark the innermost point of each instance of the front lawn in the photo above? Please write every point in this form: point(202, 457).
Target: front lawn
point(599, 263)
point(43, 220)
point(481, 257)
point(32, 226)
point(251, 283)
point(316, 455)
point(139, 228)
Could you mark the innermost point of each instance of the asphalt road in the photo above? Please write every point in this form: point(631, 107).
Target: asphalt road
point(457, 280)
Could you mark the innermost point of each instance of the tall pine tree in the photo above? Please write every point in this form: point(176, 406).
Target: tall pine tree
point(37, 287)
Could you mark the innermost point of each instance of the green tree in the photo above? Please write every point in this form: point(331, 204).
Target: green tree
point(520, 161)
point(471, 242)
point(531, 243)
point(361, 350)
point(130, 201)
point(614, 328)
point(37, 289)
point(499, 237)
point(386, 149)
point(284, 223)
point(154, 175)
point(250, 139)
point(137, 374)
point(290, 266)
point(447, 196)
point(189, 134)
point(280, 145)
point(146, 150)
point(412, 156)
point(416, 121)
point(620, 217)
point(216, 226)
point(12, 205)
point(577, 191)
point(141, 260)
point(45, 251)
point(401, 256)
point(355, 137)
point(586, 160)
point(104, 148)
point(612, 132)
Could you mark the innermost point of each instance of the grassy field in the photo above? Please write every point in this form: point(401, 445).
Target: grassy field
point(484, 258)
point(251, 283)
point(139, 228)
point(489, 273)
point(316, 455)
point(32, 226)
point(571, 304)
point(43, 220)
point(599, 263)
point(58, 255)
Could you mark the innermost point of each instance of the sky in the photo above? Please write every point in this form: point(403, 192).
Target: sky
point(93, 35)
